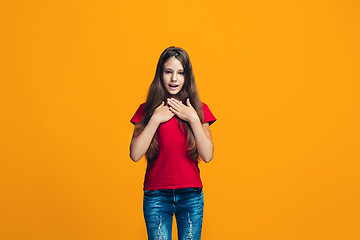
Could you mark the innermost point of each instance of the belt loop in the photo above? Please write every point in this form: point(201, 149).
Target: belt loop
point(174, 195)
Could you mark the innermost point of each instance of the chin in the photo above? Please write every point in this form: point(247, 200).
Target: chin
point(172, 93)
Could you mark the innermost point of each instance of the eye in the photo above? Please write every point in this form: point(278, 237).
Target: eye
point(167, 71)
point(181, 73)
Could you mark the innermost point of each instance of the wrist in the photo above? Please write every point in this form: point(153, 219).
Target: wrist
point(154, 120)
point(193, 120)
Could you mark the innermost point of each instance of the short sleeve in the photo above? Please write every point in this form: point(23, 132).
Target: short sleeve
point(208, 116)
point(138, 114)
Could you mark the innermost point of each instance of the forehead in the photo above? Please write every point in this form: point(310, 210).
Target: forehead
point(173, 63)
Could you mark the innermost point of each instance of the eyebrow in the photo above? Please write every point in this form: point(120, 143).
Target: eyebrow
point(168, 68)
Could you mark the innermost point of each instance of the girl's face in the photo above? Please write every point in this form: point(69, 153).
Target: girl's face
point(173, 76)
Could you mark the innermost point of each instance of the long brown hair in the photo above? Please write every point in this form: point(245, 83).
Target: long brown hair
point(158, 93)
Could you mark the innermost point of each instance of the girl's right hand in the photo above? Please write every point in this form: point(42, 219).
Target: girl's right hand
point(162, 113)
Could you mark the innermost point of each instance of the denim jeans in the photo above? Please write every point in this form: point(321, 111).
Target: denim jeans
point(160, 205)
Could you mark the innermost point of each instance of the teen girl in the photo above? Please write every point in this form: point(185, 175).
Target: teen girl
point(172, 131)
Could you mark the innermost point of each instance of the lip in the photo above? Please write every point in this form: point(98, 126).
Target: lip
point(173, 87)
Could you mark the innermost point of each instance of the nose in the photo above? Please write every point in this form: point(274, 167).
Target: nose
point(173, 77)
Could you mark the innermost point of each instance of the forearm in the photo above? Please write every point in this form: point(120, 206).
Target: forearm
point(203, 140)
point(140, 144)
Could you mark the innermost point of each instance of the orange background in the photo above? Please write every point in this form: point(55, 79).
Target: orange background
point(282, 77)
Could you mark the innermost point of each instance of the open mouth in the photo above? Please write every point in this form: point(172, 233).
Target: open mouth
point(173, 86)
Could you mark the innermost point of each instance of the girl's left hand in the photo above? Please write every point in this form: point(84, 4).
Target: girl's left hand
point(185, 112)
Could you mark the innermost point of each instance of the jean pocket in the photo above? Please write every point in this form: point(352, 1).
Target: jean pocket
point(196, 189)
point(149, 193)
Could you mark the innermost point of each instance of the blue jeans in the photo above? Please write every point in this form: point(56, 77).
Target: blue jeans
point(160, 205)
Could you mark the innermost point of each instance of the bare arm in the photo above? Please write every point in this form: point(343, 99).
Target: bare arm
point(140, 144)
point(203, 139)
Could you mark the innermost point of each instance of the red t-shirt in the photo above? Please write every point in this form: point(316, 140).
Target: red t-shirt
point(174, 168)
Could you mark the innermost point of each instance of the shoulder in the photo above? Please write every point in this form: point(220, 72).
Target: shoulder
point(138, 114)
point(142, 106)
point(141, 109)
point(205, 107)
point(208, 115)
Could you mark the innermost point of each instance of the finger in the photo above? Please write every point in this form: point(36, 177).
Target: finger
point(175, 100)
point(188, 102)
point(161, 105)
point(171, 113)
point(168, 108)
point(174, 111)
point(174, 104)
point(178, 103)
